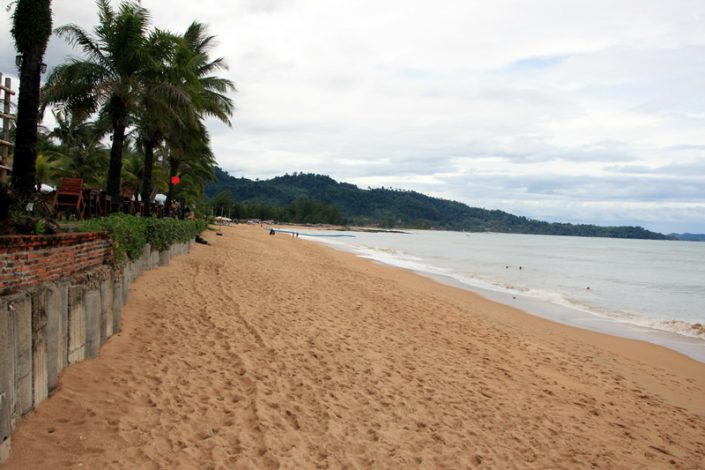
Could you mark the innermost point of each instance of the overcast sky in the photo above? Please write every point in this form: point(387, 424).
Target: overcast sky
point(586, 111)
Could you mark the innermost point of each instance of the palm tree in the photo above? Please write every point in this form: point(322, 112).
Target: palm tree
point(46, 170)
point(31, 30)
point(191, 154)
point(133, 169)
point(81, 153)
point(107, 80)
point(191, 158)
point(165, 101)
point(183, 91)
point(211, 99)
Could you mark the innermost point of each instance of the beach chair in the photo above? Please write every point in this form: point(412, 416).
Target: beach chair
point(69, 197)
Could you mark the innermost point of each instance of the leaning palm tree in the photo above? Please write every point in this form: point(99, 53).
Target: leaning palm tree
point(190, 157)
point(191, 154)
point(107, 79)
point(165, 101)
point(210, 99)
point(183, 90)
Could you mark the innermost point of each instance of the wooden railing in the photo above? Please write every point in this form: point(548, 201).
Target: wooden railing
point(7, 116)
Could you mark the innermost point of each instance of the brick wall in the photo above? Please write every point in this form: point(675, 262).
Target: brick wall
point(29, 260)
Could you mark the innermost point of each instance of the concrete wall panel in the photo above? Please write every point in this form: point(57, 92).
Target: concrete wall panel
point(7, 374)
point(57, 308)
point(106, 309)
point(154, 259)
point(145, 259)
point(76, 325)
point(117, 304)
point(125, 290)
point(40, 383)
point(21, 314)
point(92, 304)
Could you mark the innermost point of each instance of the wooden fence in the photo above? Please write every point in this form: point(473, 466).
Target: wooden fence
point(7, 117)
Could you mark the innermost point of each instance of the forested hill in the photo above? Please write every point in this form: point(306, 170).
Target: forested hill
point(689, 237)
point(397, 208)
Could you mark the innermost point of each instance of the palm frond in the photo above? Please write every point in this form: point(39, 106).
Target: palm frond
point(76, 36)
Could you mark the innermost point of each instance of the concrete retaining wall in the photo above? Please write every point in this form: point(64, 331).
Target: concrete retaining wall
point(52, 325)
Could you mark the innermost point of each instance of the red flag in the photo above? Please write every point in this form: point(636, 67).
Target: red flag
point(175, 180)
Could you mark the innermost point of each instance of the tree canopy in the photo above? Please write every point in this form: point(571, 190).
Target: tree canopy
point(150, 90)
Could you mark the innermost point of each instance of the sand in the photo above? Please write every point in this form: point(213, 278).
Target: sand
point(266, 351)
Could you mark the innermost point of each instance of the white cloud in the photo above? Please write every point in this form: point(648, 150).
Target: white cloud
point(563, 110)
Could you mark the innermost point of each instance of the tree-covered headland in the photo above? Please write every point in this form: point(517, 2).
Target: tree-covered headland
point(382, 207)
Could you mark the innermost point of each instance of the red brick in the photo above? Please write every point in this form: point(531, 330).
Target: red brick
point(27, 260)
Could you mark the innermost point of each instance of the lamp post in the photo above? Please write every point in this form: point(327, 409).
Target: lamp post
point(20, 57)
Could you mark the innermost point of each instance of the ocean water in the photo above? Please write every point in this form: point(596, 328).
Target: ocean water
point(642, 289)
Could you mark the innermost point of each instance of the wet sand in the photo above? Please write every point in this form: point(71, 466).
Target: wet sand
point(266, 351)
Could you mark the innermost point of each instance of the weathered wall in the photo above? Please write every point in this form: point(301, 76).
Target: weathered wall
point(51, 324)
point(30, 260)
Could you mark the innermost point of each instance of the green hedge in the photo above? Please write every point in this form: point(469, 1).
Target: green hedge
point(130, 233)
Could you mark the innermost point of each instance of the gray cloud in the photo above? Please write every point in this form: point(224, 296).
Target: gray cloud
point(682, 171)
point(266, 6)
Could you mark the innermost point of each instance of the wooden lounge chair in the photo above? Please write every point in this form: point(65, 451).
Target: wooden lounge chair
point(69, 197)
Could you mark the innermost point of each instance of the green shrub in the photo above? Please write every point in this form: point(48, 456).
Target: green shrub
point(40, 227)
point(129, 234)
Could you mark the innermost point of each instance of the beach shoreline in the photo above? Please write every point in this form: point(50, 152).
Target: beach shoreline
point(692, 347)
point(641, 329)
point(265, 351)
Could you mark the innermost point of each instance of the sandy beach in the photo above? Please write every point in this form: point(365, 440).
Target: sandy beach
point(263, 351)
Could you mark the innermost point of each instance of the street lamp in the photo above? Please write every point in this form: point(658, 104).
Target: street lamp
point(20, 57)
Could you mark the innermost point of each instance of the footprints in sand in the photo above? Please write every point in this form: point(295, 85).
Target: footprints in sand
point(246, 366)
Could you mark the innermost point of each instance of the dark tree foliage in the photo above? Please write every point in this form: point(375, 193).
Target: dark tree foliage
point(31, 30)
point(394, 208)
point(302, 211)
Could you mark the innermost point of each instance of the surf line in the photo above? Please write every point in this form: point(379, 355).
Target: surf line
point(302, 234)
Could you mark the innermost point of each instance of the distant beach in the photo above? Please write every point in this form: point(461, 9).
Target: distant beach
point(260, 351)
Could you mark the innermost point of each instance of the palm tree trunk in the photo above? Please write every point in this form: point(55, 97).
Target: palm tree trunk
point(31, 28)
point(147, 176)
point(115, 169)
point(23, 171)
